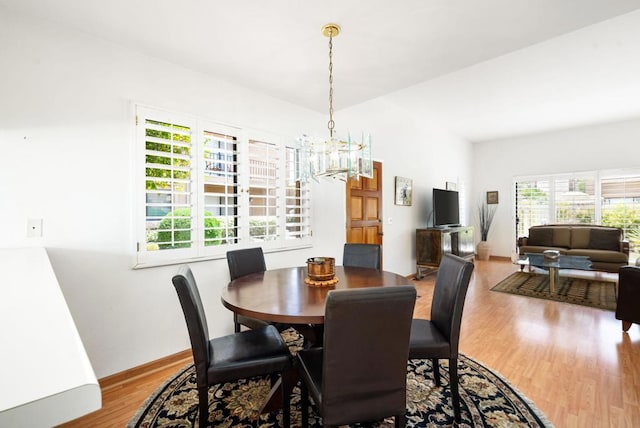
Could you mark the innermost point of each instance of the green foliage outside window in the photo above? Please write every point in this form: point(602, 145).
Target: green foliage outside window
point(566, 212)
point(174, 230)
point(621, 216)
point(258, 228)
point(533, 193)
point(626, 217)
point(167, 159)
point(227, 228)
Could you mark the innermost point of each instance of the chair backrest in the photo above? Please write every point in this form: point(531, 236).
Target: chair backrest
point(187, 289)
point(366, 347)
point(361, 255)
point(244, 262)
point(449, 294)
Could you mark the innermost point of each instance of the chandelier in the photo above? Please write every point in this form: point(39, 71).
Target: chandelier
point(334, 157)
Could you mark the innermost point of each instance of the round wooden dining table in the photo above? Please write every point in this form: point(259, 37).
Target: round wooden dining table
point(282, 296)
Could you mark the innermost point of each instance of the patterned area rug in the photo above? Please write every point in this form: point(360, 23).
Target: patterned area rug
point(487, 400)
point(579, 291)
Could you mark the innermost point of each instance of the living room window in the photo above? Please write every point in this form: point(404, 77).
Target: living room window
point(621, 205)
point(207, 188)
point(532, 203)
point(608, 197)
point(575, 199)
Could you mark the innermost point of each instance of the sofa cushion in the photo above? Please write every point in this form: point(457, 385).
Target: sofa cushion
point(600, 255)
point(605, 239)
point(540, 236)
point(580, 237)
point(562, 237)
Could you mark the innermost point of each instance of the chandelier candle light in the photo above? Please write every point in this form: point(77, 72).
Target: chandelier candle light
point(334, 157)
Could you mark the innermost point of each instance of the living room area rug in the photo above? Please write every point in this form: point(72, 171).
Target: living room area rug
point(487, 400)
point(579, 291)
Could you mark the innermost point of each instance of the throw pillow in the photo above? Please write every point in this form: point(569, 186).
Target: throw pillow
point(542, 237)
point(604, 239)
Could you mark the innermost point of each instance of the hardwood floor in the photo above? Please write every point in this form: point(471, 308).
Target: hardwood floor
point(123, 393)
point(573, 362)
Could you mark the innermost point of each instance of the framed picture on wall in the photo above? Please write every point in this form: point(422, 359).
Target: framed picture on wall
point(492, 197)
point(404, 191)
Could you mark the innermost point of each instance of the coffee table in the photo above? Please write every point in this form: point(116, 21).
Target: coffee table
point(553, 266)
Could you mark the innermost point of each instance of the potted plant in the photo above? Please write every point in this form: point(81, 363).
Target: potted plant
point(486, 213)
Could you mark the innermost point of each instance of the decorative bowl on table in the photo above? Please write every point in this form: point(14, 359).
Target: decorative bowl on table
point(551, 255)
point(321, 271)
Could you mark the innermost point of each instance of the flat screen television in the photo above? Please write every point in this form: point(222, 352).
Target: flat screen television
point(446, 208)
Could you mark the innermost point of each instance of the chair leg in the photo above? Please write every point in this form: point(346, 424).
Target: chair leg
point(236, 325)
point(453, 383)
point(203, 407)
point(436, 370)
point(401, 420)
point(304, 403)
point(626, 325)
point(286, 398)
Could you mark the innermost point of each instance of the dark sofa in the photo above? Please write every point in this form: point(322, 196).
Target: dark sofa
point(605, 246)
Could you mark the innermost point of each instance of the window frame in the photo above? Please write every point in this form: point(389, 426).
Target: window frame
point(198, 250)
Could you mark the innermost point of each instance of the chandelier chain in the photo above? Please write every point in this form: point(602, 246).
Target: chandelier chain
point(331, 123)
point(333, 157)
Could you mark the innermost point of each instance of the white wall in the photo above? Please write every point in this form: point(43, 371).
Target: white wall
point(66, 142)
point(496, 163)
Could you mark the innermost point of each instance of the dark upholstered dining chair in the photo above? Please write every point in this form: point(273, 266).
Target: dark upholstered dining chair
point(228, 358)
point(360, 372)
point(241, 263)
point(438, 337)
point(628, 305)
point(362, 255)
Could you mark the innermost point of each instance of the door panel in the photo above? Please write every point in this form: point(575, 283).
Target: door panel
point(364, 208)
point(356, 208)
point(372, 212)
point(355, 235)
point(372, 235)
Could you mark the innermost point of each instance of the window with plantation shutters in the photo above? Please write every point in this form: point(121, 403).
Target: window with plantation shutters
point(167, 158)
point(264, 176)
point(297, 199)
point(532, 204)
point(562, 199)
point(206, 188)
point(575, 199)
point(220, 187)
point(620, 205)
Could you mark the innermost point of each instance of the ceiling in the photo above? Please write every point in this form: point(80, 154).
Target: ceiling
point(276, 47)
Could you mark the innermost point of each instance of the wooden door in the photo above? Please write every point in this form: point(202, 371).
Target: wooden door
point(364, 208)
